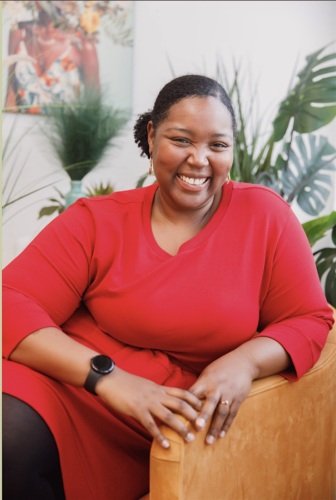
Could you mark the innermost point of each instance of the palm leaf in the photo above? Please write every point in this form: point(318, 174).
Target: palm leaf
point(312, 102)
point(316, 228)
point(308, 174)
point(326, 266)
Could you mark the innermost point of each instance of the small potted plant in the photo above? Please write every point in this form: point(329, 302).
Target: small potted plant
point(81, 132)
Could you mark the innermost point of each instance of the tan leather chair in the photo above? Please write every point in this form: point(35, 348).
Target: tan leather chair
point(281, 446)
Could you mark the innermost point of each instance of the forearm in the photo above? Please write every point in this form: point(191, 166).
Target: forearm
point(53, 353)
point(264, 356)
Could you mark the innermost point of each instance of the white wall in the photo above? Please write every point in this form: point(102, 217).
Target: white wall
point(269, 38)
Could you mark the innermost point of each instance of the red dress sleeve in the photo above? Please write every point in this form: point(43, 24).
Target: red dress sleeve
point(294, 311)
point(43, 286)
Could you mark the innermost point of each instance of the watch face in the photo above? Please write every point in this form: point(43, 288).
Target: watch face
point(102, 364)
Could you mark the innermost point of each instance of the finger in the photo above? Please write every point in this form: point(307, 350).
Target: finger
point(221, 415)
point(154, 431)
point(198, 389)
point(209, 407)
point(181, 407)
point(230, 418)
point(174, 422)
point(186, 396)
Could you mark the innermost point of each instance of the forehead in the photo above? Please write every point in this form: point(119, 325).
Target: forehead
point(200, 110)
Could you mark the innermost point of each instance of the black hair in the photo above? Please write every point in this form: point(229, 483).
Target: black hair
point(177, 89)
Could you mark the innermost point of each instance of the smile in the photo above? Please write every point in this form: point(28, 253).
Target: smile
point(192, 180)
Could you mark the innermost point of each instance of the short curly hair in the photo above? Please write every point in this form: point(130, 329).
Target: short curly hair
point(177, 89)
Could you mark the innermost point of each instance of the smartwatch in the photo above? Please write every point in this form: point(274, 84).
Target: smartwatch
point(100, 365)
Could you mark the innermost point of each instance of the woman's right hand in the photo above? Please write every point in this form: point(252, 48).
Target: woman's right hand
point(148, 402)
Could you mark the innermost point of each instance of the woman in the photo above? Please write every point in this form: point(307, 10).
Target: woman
point(169, 283)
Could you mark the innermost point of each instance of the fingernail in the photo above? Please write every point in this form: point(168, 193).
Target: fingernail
point(222, 434)
point(190, 437)
point(165, 443)
point(200, 422)
point(210, 440)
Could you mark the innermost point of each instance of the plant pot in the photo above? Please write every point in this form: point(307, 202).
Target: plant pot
point(75, 193)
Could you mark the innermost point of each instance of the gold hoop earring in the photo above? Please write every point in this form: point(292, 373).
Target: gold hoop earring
point(150, 170)
point(228, 178)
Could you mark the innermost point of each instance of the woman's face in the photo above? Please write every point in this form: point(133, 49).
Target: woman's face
point(192, 151)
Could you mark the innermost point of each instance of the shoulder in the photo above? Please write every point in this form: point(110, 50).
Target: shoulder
point(257, 191)
point(260, 208)
point(120, 202)
point(125, 197)
point(258, 196)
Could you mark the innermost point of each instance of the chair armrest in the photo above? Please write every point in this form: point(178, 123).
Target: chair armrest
point(282, 444)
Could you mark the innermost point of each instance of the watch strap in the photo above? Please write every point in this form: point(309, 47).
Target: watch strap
point(91, 381)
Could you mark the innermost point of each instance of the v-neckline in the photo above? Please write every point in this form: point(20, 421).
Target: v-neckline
point(195, 240)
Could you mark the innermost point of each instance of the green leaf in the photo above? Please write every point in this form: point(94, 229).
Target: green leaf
point(101, 189)
point(311, 118)
point(308, 175)
point(316, 86)
point(49, 210)
point(333, 235)
point(326, 265)
point(315, 229)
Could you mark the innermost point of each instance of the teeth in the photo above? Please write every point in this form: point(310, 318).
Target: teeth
point(193, 181)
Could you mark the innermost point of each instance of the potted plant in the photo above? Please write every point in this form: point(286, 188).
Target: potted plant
point(81, 132)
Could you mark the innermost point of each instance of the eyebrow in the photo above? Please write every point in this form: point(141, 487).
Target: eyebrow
point(190, 132)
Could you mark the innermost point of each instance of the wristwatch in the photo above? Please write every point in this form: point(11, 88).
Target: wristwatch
point(100, 365)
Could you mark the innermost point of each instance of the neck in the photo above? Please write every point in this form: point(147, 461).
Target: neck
point(196, 218)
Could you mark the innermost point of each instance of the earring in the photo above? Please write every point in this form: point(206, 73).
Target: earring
point(150, 170)
point(228, 178)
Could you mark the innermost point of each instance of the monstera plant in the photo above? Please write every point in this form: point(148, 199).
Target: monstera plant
point(293, 158)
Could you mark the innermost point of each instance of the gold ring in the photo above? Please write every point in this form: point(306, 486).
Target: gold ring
point(226, 402)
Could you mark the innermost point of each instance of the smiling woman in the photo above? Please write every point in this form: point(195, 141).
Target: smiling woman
point(192, 153)
point(126, 310)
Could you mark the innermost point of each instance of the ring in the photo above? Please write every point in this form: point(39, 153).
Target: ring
point(226, 402)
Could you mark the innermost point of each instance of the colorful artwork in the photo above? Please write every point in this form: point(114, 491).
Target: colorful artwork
point(58, 48)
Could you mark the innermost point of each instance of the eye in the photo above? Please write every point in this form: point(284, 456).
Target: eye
point(219, 145)
point(181, 140)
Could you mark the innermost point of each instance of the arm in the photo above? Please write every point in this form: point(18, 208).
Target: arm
point(294, 319)
point(229, 379)
point(56, 355)
point(44, 286)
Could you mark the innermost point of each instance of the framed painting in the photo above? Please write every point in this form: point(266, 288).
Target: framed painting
point(53, 50)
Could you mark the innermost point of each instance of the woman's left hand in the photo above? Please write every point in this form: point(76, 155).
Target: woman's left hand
point(224, 385)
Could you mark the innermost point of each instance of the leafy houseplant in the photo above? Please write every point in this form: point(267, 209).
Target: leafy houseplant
point(81, 132)
point(289, 158)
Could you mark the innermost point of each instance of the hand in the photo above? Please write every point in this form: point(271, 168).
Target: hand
point(146, 401)
point(223, 385)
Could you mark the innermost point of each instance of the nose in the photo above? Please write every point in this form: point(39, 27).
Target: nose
point(198, 158)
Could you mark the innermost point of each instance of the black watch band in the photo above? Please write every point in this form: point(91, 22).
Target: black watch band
point(100, 365)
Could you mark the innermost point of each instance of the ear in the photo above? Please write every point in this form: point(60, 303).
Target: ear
point(150, 135)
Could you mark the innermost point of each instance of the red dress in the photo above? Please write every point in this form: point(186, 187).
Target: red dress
point(97, 272)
